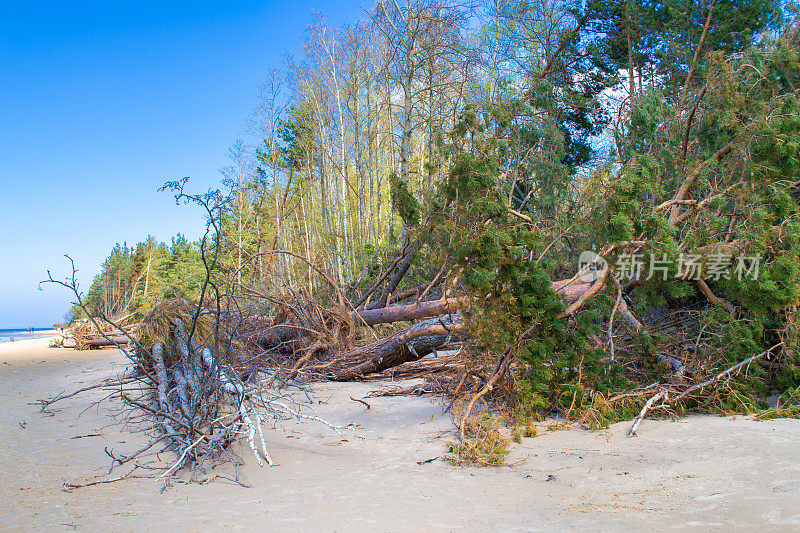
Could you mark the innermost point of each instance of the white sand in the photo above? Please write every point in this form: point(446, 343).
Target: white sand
point(699, 473)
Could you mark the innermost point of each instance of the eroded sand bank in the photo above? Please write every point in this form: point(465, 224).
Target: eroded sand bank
point(697, 473)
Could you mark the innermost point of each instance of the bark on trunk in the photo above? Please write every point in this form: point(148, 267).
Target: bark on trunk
point(99, 342)
point(283, 337)
point(411, 344)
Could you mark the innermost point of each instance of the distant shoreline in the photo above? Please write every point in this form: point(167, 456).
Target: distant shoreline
point(21, 334)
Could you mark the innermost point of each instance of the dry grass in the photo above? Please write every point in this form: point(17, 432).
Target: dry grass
point(156, 325)
point(485, 443)
point(788, 407)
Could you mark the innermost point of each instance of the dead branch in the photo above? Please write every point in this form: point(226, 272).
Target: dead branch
point(724, 374)
point(647, 406)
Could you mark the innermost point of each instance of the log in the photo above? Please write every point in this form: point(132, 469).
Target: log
point(411, 344)
point(284, 336)
point(111, 341)
point(406, 313)
point(421, 339)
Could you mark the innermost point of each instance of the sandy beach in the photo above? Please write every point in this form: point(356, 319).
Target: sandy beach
point(697, 473)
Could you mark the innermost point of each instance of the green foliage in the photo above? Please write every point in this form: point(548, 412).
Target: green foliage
point(528, 186)
point(788, 406)
point(659, 39)
point(749, 102)
point(132, 280)
point(404, 203)
point(512, 293)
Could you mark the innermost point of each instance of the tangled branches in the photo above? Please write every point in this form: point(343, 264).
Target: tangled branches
point(200, 403)
point(187, 374)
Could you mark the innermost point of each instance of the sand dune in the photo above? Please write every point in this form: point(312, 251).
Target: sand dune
point(700, 472)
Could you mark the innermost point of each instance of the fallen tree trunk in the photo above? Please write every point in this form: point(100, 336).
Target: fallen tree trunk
point(285, 337)
point(421, 339)
point(406, 313)
point(570, 290)
point(409, 345)
point(110, 341)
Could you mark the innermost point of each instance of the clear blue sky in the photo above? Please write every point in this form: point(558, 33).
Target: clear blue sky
point(100, 103)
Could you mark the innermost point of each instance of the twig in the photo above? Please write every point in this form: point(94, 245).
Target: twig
point(361, 401)
point(500, 370)
point(725, 373)
point(90, 483)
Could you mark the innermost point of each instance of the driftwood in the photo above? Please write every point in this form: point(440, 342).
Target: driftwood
point(85, 335)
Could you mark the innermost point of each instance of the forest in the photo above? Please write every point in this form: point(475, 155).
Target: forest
point(541, 208)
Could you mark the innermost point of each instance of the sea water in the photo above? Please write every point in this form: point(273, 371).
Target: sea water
point(19, 334)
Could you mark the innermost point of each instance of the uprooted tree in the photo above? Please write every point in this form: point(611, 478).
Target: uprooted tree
point(691, 223)
point(697, 223)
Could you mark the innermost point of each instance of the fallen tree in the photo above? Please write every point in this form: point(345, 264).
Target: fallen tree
point(100, 342)
point(695, 242)
point(186, 387)
point(443, 326)
point(688, 206)
point(411, 344)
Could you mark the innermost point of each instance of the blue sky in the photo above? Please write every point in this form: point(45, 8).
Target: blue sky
point(100, 103)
